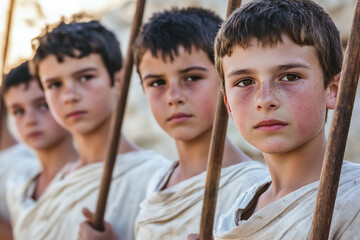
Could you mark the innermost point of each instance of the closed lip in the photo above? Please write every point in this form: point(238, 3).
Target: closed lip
point(75, 114)
point(179, 116)
point(269, 123)
point(34, 134)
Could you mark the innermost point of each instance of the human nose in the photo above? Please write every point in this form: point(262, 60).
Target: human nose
point(267, 98)
point(175, 95)
point(31, 117)
point(70, 94)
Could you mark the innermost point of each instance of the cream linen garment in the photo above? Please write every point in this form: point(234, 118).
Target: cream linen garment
point(57, 213)
point(14, 160)
point(290, 217)
point(175, 212)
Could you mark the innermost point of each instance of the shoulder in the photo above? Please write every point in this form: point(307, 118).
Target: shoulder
point(245, 174)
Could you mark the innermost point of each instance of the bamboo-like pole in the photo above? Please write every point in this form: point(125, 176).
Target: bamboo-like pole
point(215, 157)
point(3, 60)
point(334, 154)
point(98, 221)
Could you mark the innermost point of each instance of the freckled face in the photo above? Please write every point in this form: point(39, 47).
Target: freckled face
point(276, 95)
point(78, 91)
point(36, 126)
point(182, 93)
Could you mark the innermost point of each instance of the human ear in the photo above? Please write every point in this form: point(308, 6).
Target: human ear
point(117, 82)
point(332, 92)
point(228, 107)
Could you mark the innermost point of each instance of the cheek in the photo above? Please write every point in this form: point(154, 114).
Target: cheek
point(204, 104)
point(156, 105)
point(20, 128)
point(308, 110)
point(206, 99)
point(53, 103)
point(240, 111)
point(101, 101)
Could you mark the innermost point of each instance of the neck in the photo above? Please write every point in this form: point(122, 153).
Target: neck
point(297, 168)
point(52, 161)
point(193, 155)
point(54, 158)
point(93, 146)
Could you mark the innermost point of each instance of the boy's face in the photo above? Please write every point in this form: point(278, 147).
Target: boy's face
point(276, 95)
point(78, 91)
point(34, 122)
point(182, 93)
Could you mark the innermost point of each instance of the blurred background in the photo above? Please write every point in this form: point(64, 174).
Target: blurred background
point(30, 17)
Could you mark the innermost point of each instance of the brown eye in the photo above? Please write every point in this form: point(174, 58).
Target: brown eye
point(245, 83)
point(157, 83)
point(290, 77)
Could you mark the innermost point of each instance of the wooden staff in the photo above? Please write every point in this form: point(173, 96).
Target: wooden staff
point(334, 154)
point(215, 157)
point(98, 221)
point(3, 63)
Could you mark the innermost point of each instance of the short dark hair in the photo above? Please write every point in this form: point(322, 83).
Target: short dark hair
point(77, 38)
point(17, 76)
point(166, 31)
point(303, 21)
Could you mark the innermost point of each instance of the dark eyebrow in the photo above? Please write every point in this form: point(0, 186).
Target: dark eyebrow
point(192, 68)
point(280, 67)
point(292, 65)
point(36, 100)
point(39, 99)
point(239, 72)
point(85, 70)
point(75, 73)
point(151, 76)
point(15, 105)
point(181, 71)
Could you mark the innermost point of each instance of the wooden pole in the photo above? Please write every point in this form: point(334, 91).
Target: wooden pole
point(334, 154)
point(98, 221)
point(215, 157)
point(3, 62)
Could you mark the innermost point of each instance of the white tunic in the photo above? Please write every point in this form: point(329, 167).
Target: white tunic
point(175, 212)
point(290, 217)
point(57, 213)
point(14, 160)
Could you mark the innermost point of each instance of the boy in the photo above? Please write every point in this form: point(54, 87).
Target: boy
point(78, 65)
point(279, 62)
point(26, 105)
point(174, 58)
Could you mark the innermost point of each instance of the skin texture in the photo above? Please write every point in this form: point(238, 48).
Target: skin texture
point(78, 85)
point(81, 97)
point(36, 126)
point(181, 86)
point(182, 96)
point(279, 107)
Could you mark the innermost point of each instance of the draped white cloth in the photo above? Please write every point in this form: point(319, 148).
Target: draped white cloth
point(175, 212)
point(290, 217)
point(57, 213)
point(14, 160)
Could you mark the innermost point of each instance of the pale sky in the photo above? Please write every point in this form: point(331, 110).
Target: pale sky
point(28, 20)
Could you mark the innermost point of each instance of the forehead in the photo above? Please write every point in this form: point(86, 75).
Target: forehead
point(50, 67)
point(182, 60)
point(23, 93)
